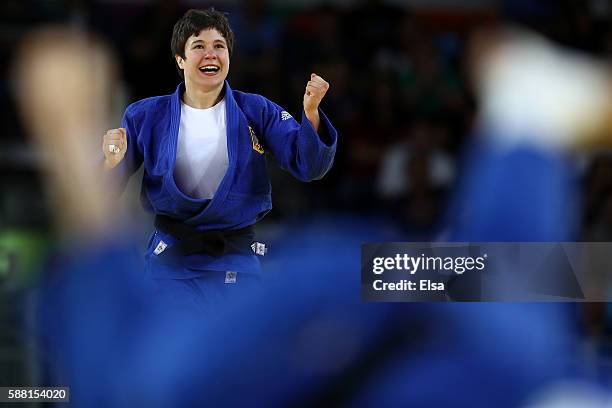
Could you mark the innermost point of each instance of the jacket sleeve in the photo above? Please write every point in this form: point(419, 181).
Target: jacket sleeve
point(120, 174)
point(298, 148)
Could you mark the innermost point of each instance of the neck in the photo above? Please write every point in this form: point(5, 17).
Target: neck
point(202, 99)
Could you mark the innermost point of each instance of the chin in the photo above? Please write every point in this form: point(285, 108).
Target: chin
point(211, 83)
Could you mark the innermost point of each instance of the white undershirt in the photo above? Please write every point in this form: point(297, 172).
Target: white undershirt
point(201, 152)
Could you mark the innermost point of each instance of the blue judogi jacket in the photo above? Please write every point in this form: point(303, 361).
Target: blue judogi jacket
point(254, 125)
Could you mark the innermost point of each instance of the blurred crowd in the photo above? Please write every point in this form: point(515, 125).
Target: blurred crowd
point(401, 98)
point(400, 94)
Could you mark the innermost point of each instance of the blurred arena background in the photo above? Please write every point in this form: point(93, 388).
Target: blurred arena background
point(400, 98)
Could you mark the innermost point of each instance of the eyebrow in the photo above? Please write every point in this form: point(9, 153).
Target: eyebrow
point(214, 41)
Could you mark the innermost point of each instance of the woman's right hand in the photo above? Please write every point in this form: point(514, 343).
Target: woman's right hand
point(114, 146)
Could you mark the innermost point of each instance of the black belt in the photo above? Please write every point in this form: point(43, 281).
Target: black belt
point(214, 242)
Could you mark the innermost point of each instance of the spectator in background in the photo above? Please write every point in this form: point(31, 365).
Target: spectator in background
point(148, 68)
point(597, 184)
point(256, 65)
point(601, 227)
point(415, 175)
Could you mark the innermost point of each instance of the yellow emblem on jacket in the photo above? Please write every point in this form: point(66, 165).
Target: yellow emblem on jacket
point(256, 145)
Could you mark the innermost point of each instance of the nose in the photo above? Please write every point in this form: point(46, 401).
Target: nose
point(210, 53)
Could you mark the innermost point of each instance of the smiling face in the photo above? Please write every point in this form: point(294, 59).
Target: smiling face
point(206, 62)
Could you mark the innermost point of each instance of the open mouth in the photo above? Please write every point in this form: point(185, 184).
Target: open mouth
point(209, 69)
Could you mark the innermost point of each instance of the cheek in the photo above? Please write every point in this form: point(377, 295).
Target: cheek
point(226, 62)
point(224, 56)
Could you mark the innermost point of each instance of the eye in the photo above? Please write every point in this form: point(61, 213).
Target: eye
point(219, 46)
point(198, 46)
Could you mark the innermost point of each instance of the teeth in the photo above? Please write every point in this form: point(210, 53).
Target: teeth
point(209, 68)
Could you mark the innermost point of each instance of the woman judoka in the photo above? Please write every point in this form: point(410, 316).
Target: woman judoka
point(203, 149)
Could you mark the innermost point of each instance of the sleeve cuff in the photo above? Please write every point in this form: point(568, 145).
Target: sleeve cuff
point(327, 134)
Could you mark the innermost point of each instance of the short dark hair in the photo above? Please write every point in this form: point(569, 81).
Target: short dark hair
point(192, 23)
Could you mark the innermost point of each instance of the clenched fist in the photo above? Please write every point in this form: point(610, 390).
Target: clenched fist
point(114, 146)
point(316, 89)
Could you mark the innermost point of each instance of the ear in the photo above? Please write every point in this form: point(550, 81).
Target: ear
point(179, 61)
